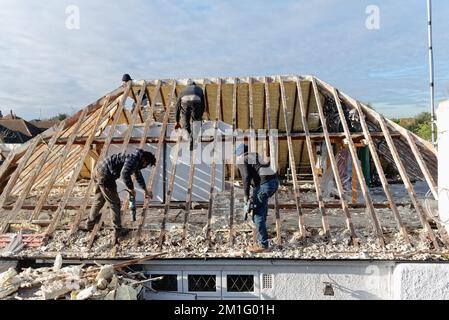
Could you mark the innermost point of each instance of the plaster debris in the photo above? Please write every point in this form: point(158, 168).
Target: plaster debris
point(77, 282)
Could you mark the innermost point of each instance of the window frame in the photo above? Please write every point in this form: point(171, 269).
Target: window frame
point(254, 294)
point(218, 283)
point(178, 278)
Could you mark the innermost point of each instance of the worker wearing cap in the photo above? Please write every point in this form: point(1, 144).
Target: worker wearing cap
point(120, 165)
point(190, 106)
point(125, 79)
point(265, 183)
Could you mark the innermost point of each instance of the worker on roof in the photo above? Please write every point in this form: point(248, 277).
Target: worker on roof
point(120, 165)
point(125, 79)
point(265, 183)
point(190, 106)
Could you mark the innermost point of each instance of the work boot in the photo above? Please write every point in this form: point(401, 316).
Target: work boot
point(122, 232)
point(91, 224)
point(258, 249)
point(118, 233)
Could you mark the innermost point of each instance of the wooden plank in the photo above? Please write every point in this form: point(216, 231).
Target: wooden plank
point(422, 165)
point(193, 155)
point(354, 183)
point(53, 158)
point(23, 161)
point(252, 134)
point(291, 158)
point(370, 113)
point(13, 179)
point(149, 121)
point(6, 164)
point(213, 166)
point(129, 130)
point(169, 192)
point(273, 159)
point(336, 136)
point(104, 152)
point(333, 162)
point(159, 150)
point(77, 169)
point(233, 161)
point(301, 154)
point(88, 152)
point(83, 208)
point(316, 179)
point(289, 206)
point(405, 179)
point(377, 163)
point(59, 165)
point(37, 168)
point(358, 169)
point(133, 120)
point(206, 101)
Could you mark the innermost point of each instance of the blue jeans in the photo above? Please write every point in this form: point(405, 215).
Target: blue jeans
point(261, 194)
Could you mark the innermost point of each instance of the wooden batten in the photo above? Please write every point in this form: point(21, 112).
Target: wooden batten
point(273, 159)
point(294, 106)
point(158, 154)
point(316, 179)
point(359, 172)
point(292, 163)
point(333, 162)
point(213, 166)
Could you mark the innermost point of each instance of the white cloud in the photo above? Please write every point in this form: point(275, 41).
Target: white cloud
point(44, 66)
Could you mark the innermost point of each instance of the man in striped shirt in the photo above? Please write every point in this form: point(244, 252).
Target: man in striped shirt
point(120, 165)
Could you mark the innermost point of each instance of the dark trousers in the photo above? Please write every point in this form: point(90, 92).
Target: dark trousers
point(105, 192)
point(261, 194)
point(191, 111)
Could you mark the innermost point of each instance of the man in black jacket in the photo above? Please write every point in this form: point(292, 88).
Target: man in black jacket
point(120, 165)
point(265, 183)
point(189, 107)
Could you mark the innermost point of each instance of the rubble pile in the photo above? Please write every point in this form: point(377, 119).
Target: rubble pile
point(314, 246)
point(78, 282)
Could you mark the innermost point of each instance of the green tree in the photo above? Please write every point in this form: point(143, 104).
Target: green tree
point(422, 126)
point(60, 116)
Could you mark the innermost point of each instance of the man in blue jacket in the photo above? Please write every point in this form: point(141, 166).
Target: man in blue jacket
point(264, 181)
point(120, 165)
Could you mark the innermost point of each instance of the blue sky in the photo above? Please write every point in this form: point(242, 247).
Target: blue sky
point(46, 68)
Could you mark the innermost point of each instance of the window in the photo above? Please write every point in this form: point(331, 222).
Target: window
point(169, 282)
point(240, 282)
point(202, 282)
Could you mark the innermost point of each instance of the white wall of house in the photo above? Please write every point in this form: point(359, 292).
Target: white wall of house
point(421, 281)
point(279, 279)
point(307, 280)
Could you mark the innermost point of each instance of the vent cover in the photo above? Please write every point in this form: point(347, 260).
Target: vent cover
point(267, 281)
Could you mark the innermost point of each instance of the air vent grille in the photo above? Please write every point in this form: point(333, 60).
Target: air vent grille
point(267, 281)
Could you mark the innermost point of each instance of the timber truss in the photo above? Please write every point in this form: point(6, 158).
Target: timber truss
point(55, 162)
